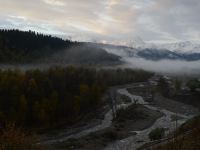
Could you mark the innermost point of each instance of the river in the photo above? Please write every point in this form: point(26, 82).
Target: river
point(133, 142)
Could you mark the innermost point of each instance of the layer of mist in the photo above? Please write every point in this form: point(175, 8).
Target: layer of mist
point(82, 54)
point(164, 66)
point(97, 55)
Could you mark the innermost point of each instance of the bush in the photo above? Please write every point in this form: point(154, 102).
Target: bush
point(111, 135)
point(13, 138)
point(157, 134)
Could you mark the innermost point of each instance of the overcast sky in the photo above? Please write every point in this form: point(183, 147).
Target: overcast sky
point(106, 20)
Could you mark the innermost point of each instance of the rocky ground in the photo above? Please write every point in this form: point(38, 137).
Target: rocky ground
point(131, 119)
point(166, 103)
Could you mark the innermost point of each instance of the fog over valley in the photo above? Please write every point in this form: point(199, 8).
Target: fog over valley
point(164, 66)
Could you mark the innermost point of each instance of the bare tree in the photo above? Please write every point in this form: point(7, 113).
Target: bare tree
point(113, 101)
point(177, 141)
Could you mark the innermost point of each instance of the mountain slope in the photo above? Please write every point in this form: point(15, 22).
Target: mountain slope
point(84, 53)
point(24, 47)
point(21, 47)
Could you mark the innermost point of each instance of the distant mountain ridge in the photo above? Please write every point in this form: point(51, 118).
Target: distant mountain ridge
point(137, 48)
point(182, 47)
point(160, 54)
point(152, 53)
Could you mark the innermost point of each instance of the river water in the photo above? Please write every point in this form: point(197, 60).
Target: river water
point(133, 142)
point(166, 121)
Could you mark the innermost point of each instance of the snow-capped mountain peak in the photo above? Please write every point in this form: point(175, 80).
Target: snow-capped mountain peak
point(181, 47)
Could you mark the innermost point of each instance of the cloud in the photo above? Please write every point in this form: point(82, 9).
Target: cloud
point(55, 2)
point(109, 20)
point(176, 18)
point(164, 66)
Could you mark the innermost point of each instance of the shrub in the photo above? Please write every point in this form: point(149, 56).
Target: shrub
point(157, 134)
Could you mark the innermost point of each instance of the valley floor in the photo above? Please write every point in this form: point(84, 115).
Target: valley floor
point(132, 129)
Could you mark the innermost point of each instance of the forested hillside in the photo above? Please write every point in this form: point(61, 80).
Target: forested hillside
point(22, 46)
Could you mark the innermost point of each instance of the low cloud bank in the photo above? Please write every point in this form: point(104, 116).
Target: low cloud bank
point(164, 66)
